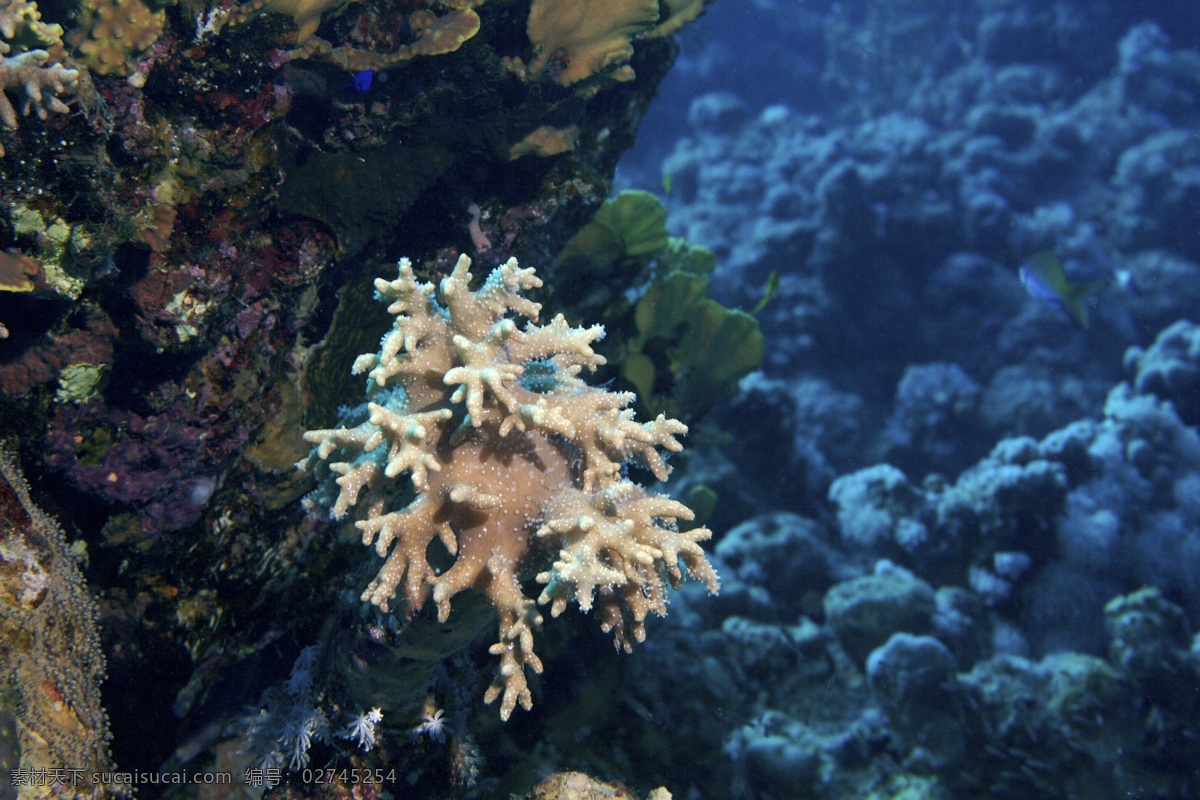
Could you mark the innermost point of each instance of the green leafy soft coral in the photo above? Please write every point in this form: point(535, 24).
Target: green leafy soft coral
point(610, 254)
point(629, 227)
point(683, 352)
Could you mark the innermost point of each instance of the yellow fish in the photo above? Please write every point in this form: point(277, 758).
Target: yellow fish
point(1043, 277)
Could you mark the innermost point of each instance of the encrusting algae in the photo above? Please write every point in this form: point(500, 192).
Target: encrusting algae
point(52, 723)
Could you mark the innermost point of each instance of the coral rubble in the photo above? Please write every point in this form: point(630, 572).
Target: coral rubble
point(516, 465)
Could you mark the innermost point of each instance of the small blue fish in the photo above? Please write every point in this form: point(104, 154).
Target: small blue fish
point(1043, 277)
point(362, 81)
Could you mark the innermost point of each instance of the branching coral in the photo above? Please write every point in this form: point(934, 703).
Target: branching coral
point(41, 79)
point(30, 61)
point(516, 465)
point(22, 27)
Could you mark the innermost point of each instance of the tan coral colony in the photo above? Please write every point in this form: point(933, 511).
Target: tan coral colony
point(515, 466)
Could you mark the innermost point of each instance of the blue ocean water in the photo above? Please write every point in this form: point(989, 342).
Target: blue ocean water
point(941, 475)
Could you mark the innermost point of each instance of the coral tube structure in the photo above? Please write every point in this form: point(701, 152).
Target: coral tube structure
point(480, 434)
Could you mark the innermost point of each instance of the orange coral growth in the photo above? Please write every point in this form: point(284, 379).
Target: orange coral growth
point(435, 36)
point(17, 272)
point(546, 141)
point(305, 13)
point(576, 39)
point(681, 12)
point(159, 227)
point(590, 36)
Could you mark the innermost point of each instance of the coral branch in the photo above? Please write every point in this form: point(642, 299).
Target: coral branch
point(514, 461)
